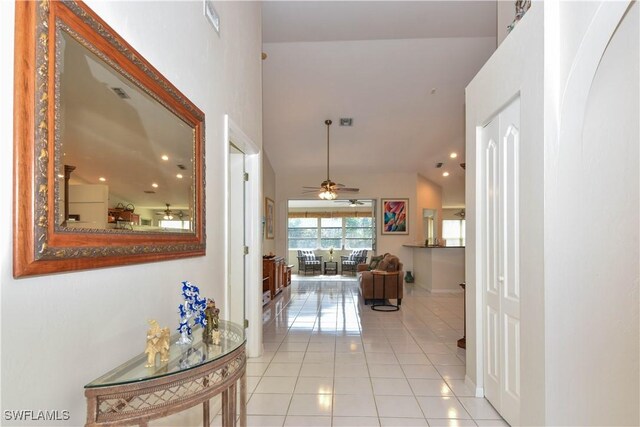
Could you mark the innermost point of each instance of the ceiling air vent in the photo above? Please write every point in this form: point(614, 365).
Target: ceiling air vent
point(439, 165)
point(149, 191)
point(120, 92)
point(182, 167)
point(346, 121)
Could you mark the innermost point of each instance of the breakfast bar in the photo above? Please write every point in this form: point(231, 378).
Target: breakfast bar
point(438, 269)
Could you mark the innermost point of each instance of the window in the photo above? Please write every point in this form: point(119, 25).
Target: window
point(330, 233)
point(358, 233)
point(179, 225)
point(453, 231)
point(326, 233)
point(303, 233)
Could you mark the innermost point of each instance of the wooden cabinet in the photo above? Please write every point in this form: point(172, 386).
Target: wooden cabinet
point(274, 269)
point(115, 215)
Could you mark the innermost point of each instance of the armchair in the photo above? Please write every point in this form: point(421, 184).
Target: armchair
point(372, 286)
point(309, 261)
point(350, 262)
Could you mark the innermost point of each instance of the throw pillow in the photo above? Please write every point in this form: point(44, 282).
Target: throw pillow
point(375, 260)
point(393, 262)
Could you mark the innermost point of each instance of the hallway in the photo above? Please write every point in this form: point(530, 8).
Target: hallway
point(329, 360)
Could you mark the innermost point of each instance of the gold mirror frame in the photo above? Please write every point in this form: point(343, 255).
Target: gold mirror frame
point(39, 246)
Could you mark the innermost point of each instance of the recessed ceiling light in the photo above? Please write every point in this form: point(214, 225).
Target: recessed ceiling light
point(165, 157)
point(60, 175)
point(453, 155)
point(154, 185)
point(445, 173)
point(102, 178)
point(179, 176)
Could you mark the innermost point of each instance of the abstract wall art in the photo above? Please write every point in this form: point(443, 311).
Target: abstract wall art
point(395, 216)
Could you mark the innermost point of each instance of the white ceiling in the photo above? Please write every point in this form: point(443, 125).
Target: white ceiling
point(378, 63)
point(121, 140)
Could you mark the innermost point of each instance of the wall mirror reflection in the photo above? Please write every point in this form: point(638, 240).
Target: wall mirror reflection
point(108, 153)
point(127, 161)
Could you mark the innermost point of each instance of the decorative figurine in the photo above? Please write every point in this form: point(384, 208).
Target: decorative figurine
point(331, 254)
point(157, 342)
point(193, 307)
point(211, 334)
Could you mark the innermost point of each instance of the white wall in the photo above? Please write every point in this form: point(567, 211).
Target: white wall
point(372, 186)
point(506, 11)
point(429, 196)
point(268, 190)
point(579, 229)
point(61, 331)
point(591, 260)
point(516, 68)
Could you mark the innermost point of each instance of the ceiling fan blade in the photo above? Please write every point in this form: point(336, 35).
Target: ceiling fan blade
point(312, 188)
point(350, 190)
point(338, 185)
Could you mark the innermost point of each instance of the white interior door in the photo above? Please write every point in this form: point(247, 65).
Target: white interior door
point(501, 288)
point(237, 242)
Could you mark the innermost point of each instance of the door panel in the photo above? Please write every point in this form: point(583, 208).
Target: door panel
point(501, 298)
point(236, 223)
point(493, 345)
point(490, 135)
point(510, 301)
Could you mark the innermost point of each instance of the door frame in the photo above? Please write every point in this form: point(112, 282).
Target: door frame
point(253, 230)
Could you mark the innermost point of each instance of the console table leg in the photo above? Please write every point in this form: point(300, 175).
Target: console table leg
point(233, 393)
point(205, 414)
point(243, 400)
point(225, 408)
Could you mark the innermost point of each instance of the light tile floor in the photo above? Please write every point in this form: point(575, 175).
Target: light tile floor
point(331, 361)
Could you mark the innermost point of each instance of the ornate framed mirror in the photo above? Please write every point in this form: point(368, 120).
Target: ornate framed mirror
point(108, 154)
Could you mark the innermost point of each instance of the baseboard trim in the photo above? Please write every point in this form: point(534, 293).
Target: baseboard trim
point(445, 291)
point(478, 390)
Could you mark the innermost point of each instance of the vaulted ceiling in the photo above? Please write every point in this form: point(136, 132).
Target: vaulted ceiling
point(399, 69)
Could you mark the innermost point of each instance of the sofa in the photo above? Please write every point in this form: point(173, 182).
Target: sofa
point(371, 284)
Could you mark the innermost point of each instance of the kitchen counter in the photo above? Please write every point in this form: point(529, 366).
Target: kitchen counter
point(438, 271)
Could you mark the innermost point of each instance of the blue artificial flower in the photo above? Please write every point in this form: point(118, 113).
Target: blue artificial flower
point(200, 320)
point(182, 311)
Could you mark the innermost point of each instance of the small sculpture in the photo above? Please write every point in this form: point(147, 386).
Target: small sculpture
point(193, 307)
point(211, 334)
point(157, 343)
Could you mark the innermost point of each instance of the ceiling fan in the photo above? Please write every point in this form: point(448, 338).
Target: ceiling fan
point(352, 202)
point(329, 189)
point(168, 214)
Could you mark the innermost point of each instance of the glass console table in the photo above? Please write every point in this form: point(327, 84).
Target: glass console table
point(133, 394)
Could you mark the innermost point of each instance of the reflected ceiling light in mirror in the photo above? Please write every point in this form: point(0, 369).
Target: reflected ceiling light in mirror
point(179, 176)
point(60, 175)
point(154, 185)
point(165, 157)
point(453, 155)
point(328, 195)
point(102, 179)
point(445, 173)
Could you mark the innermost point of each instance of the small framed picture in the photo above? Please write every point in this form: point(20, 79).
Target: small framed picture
point(269, 212)
point(395, 216)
